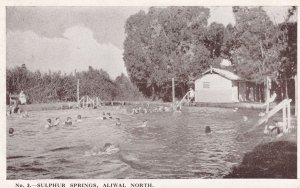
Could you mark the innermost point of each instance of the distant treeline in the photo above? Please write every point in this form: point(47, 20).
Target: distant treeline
point(56, 86)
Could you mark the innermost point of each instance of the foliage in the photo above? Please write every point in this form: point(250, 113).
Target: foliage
point(55, 86)
point(166, 43)
point(177, 42)
point(258, 44)
point(126, 90)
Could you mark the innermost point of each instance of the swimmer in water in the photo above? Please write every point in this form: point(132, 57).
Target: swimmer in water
point(207, 130)
point(273, 130)
point(11, 131)
point(109, 149)
point(118, 123)
point(24, 114)
point(144, 124)
point(166, 109)
point(145, 110)
point(69, 121)
point(103, 117)
point(135, 111)
point(56, 122)
point(109, 116)
point(49, 123)
point(79, 118)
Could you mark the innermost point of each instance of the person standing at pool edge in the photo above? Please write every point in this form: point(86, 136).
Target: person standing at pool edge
point(22, 97)
point(191, 95)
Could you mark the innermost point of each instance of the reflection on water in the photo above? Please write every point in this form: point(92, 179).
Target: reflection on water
point(173, 145)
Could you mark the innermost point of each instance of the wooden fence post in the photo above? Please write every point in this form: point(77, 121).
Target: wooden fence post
point(296, 95)
point(173, 93)
point(284, 119)
point(288, 116)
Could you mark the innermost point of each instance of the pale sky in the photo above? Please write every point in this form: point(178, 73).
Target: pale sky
point(69, 38)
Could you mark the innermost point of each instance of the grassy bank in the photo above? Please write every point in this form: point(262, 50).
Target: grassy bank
point(276, 159)
point(267, 156)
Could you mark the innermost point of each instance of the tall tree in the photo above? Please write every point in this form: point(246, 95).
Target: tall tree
point(258, 44)
point(126, 90)
point(55, 86)
point(166, 43)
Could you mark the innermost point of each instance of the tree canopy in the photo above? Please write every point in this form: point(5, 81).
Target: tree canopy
point(177, 42)
point(55, 86)
point(165, 43)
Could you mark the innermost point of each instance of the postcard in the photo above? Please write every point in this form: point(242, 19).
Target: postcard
point(149, 94)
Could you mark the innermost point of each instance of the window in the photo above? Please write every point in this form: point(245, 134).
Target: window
point(206, 84)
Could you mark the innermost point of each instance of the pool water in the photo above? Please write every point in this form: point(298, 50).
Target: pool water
point(173, 145)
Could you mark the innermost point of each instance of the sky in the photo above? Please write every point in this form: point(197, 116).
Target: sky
point(69, 38)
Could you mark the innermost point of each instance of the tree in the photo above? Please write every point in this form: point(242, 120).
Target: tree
point(126, 90)
point(165, 43)
point(96, 83)
point(214, 39)
point(258, 44)
point(55, 86)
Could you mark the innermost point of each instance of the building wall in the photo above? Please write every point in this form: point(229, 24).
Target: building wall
point(215, 88)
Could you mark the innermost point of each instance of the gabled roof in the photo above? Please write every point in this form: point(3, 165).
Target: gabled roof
point(225, 73)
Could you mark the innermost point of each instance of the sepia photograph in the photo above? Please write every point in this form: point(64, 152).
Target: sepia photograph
point(151, 92)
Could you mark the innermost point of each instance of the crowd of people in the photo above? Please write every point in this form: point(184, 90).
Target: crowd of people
point(16, 109)
point(57, 122)
point(142, 109)
point(148, 109)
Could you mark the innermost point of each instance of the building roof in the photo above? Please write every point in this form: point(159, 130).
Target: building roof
point(225, 73)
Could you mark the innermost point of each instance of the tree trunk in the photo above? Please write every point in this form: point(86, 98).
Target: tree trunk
point(281, 90)
point(296, 95)
point(153, 93)
point(255, 92)
point(286, 89)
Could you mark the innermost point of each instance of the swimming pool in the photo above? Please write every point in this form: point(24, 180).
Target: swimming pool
point(173, 145)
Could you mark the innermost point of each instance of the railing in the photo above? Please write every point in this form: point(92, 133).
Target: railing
point(285, 106)
point(185, 97)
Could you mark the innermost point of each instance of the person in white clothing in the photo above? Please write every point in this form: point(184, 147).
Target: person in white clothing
point(191, 95)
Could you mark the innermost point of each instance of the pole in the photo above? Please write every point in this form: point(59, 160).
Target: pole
point(286, 90)
point(173, 92)
point(268, 96)
point(77, 90)
point(288, 107)
point(284, 118)
point(296, 95)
